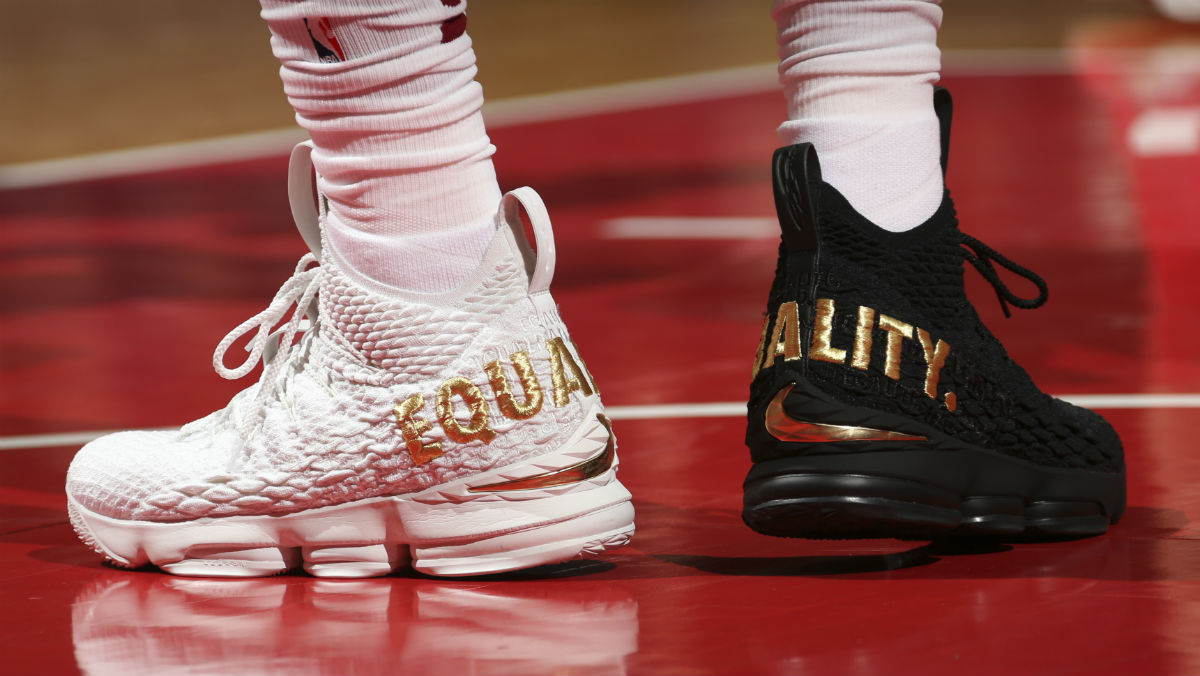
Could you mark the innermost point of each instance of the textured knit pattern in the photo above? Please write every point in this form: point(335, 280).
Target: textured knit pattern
point(917, 277)
point(328, 434)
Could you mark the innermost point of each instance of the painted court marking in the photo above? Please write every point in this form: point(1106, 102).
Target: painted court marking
point(684, 227)
point(543, 107)
point(523, 110)
point(723, 409)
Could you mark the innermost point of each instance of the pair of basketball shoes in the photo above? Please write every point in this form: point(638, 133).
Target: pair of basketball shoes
point(461, 433)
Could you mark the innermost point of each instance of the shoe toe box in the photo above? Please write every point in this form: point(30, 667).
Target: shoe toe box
point(121, 475)
point(1086, 439)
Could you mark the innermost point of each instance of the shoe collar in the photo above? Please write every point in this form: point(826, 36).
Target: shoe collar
point(538, 257)
point(305, 196)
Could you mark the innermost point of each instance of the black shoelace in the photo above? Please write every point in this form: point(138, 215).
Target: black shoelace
point(983, 258)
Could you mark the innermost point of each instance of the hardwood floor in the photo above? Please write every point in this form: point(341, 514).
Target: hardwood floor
point(91, 77)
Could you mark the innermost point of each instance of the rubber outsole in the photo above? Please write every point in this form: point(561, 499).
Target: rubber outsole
point(372, 541)
point(925, 495)
point(555, 507)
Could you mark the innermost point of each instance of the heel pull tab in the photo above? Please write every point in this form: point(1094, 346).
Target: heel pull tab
point(303, 196)
point(797, 174)
point(943, 107)
point(539, 262)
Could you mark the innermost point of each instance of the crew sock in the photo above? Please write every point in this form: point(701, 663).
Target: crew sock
point(387, 91)
point(858, 76)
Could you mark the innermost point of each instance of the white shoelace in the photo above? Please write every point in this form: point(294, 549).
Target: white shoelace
point(273, 346)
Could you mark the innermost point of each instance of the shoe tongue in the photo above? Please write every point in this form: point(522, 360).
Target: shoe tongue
point(302, 192)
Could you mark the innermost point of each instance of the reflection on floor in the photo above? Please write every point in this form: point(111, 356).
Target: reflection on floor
point(117, 289)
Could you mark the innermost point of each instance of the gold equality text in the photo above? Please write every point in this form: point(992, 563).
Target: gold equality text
point(567, 375)
point(783, 340)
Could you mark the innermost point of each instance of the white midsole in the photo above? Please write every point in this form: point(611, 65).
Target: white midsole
point(387, 520)
point(448, 517)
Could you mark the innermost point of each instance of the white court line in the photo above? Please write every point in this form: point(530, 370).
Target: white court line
point(540, 108)
point(738, 408)
point(150, 159)
point(1160, 132)
point(62, 439)
point(505, 112)
point(1133, 400)
point(723, 409)
point(681, 227)
point(724, 83)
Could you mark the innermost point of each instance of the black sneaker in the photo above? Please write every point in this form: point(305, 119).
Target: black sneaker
point(881, 406)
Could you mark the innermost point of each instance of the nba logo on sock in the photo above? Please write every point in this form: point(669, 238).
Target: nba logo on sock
point(327, 46)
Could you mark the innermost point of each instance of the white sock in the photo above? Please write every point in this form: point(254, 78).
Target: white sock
point(386, 89)
point(858, 76)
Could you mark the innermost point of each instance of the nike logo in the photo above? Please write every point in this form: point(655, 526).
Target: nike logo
point(582, 471)
point(785, 428)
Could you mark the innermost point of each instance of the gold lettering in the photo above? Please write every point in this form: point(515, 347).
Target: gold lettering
point(823, 335)
point(762, 347)
point(951, 401)
point(785, 337)
point(560, 362)
point(897, 332)
point(412, 427)
point(863, 338)
point(935, 359)
point(477, 427)
point(505, 400)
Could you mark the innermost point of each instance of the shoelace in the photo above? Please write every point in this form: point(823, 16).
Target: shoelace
point(982, 257)
point(273, 347)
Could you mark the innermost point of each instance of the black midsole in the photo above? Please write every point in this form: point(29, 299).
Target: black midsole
point(933, 477)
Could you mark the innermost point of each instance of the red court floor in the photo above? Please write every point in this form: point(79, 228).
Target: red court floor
point(116, 290)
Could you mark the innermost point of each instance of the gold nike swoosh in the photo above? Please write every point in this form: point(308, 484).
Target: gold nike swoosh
point(582, 471)
point(785, 428)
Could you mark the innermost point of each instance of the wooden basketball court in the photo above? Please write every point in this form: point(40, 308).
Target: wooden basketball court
point(1078, 160)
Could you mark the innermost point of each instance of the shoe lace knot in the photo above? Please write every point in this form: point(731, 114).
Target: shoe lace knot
point(273, 338)
point(985, 258)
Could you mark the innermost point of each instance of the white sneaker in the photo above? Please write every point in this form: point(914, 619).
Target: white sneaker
point(460, 428)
